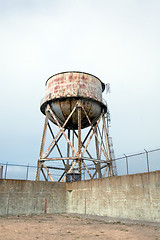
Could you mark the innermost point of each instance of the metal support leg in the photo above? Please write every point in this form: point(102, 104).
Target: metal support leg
point(72, 142)
point(79, 140)
point(98, 166)
point(107, 146)
point(42, 146)
point(68, 147)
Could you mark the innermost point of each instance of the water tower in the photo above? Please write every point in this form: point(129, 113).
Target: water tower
point(74, 108)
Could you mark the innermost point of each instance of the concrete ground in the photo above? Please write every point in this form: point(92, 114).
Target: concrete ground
point(73, 226)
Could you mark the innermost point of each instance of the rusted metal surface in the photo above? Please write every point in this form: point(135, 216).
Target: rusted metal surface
point(48, 172)
point(79, 139)
point(42, 145)
point(82, 143)
point(87, 170)
point(74, 84)
point(61, 130)
point(92, 134)
point(98, 166)
point(73, 164)
point(73, 101)
point(62, 92)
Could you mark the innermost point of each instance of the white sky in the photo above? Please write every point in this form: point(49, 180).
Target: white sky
point(118, 41)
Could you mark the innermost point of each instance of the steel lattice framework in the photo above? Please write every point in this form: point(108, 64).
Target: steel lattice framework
point(80, 154)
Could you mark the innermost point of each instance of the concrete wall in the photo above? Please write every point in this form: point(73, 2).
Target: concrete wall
point(135, 197)
point(30, 197)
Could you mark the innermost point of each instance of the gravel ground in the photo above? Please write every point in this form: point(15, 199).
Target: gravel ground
point(74, 226)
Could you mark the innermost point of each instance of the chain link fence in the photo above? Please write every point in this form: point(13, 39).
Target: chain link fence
point(146, 161)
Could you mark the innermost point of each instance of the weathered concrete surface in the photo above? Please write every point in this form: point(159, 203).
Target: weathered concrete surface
point(30, 197)
point(135, 197)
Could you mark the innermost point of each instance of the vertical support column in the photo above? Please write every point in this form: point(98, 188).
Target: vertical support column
point(98, 166)
point(67, 167)
point(107, 146)
point(68, 147)
point(72, 142)
point(79, 140)
point(42, 145)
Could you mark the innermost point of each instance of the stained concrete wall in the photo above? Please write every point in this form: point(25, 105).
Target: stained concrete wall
point(30, 197)
point(135, 197)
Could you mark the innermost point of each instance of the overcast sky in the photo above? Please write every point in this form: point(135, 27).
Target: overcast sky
point(118, 41)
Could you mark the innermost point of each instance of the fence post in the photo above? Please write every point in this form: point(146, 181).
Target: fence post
point(1, 171)
point(126, 162)
point(147, 160)
point(27, 172)
point(5, 176)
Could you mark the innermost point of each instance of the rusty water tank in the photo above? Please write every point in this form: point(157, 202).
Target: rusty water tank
point(64, 89)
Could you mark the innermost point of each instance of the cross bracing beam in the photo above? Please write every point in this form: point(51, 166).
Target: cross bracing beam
point(75, 160)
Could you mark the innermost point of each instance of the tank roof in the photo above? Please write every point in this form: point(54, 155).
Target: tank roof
point(103, 85)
